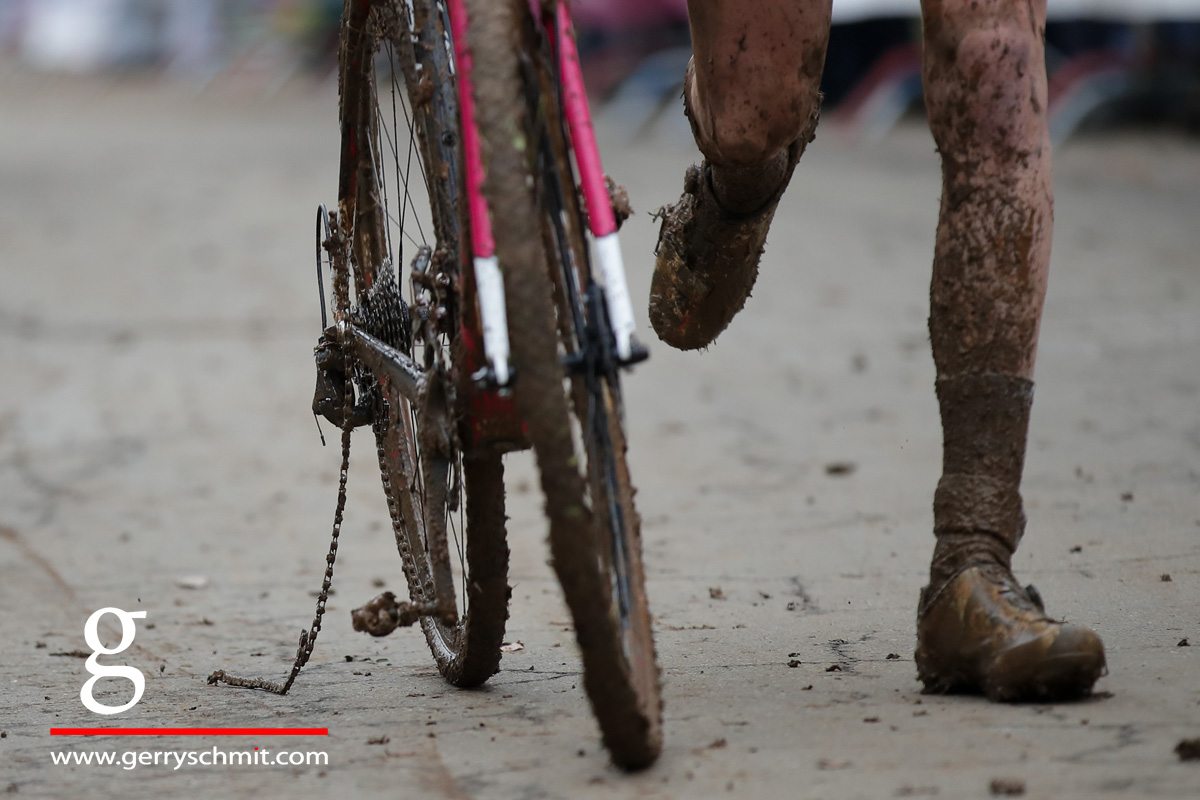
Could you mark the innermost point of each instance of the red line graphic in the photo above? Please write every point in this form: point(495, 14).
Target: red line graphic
point(189, 731)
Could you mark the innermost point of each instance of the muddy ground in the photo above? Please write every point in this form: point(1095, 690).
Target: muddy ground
point(157, 314)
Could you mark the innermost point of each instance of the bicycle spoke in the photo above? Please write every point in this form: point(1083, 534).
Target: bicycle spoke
point(407, 197)
point(420, 163)
point(403, 178)
point(396, 158)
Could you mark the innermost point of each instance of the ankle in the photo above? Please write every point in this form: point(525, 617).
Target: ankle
point(978, 516)
point(957, 552)
point(747, 189)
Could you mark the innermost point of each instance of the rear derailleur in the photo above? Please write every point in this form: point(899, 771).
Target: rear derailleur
point(329, 397)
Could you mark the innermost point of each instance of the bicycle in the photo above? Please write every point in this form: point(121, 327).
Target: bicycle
point(513, 336)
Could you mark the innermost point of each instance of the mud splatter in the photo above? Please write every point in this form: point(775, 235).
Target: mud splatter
point(1188, 749)
point(1006, 787)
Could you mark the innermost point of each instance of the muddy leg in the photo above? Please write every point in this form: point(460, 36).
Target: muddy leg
point(752, 95)
point(985, 85)
point(753, 88)
point(985, 90)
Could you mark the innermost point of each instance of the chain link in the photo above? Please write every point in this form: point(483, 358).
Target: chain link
point(398, 529)
point(308, 638)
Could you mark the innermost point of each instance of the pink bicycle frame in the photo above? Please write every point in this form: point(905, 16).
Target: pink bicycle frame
point(601, 220)
point(489, 282)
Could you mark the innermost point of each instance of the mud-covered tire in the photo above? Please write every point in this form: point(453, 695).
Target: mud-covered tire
point(468, 652)
point(624, 691)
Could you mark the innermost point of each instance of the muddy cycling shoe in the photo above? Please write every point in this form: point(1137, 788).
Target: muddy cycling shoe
point(983, 633)
point(708, 256)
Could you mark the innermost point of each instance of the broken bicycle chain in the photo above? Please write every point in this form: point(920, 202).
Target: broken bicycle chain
point(384, 315)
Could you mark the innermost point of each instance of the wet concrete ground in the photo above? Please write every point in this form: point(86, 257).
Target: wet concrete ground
point(157, 315)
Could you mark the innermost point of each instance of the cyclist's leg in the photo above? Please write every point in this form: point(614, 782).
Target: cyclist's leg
point(752, 96)
point(754, 88)
point(985, 90)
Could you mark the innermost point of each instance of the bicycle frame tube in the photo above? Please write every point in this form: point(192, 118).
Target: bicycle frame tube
point(489, 282)
point(482, 243)
point(384, 360)
point(601, 221)
point(354, 141)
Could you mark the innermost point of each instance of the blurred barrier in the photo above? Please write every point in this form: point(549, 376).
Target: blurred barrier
point(618, 14)
point(1108, 60)
point(1131, 59)
point(197, 37)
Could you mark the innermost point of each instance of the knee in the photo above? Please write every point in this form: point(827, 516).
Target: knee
point(751, 122)
point(985, 81)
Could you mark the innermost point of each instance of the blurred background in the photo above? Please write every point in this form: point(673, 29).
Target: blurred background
point(1112, 62)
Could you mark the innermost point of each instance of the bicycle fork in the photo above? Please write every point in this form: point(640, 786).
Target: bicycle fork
point(601, 219)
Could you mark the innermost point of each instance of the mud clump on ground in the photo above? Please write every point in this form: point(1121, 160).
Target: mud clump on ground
point(1006, 787)
point(1188, 749)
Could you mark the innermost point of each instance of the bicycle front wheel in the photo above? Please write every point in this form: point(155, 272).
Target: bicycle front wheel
point(399, 200)
point(575, 422)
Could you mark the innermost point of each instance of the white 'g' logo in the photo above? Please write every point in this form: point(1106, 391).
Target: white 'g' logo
point(92, 636)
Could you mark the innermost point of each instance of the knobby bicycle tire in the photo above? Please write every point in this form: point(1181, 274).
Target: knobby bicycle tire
point(594, 528)
point(423, 475)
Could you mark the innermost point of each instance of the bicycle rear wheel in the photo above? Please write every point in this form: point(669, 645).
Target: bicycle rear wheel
point(399, 189)
point(556, 315)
